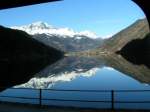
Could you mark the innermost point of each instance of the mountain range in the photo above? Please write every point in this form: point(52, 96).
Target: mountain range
point(64, 39)
point(72, 67)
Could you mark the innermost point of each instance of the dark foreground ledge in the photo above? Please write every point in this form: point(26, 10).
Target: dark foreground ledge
point(4, 4)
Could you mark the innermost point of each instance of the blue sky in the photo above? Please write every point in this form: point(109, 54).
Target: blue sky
point(104, 17)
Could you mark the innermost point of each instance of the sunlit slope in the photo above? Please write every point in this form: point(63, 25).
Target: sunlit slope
point(137, 30)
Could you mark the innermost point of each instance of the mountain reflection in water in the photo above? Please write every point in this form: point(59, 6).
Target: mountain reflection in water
point(102, 72)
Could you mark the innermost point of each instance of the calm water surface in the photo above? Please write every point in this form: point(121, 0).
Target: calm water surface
point(86, 73)
point(92, 74)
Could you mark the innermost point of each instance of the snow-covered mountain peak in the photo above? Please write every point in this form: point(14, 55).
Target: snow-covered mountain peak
point(44, 28)
point(40, 25)
point(34, 27)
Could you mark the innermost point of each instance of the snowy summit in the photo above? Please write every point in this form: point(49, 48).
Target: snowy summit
point(44, 28)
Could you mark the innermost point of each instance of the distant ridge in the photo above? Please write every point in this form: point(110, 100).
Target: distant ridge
point(138, 30)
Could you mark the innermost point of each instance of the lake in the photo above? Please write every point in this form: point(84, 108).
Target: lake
point(104, 73)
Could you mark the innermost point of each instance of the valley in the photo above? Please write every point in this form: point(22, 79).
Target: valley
point(137, 30)
point(83, 53)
